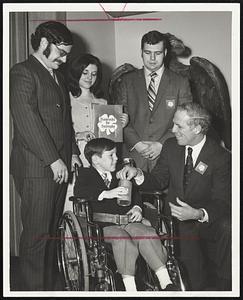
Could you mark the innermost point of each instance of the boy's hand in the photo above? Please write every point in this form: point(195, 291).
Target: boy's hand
point(136, 214)
point(126, 173)
point(117, 192)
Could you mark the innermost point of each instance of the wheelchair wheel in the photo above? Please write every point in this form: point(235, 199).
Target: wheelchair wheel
point(72, 256)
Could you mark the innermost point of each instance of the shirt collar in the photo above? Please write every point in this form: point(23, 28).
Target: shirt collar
point(104, 174)
point(198, 147)
point(159, 71)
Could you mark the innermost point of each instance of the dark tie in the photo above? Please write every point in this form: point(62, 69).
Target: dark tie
point(106, 180)
point(188, 167)
point(151, 91)
point(53, 75)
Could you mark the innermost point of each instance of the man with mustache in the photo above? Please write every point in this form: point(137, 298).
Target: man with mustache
point(43, 150)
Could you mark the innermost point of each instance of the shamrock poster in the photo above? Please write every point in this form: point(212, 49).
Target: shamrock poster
point(107, 122)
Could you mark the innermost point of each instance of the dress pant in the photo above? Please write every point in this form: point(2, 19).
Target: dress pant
point(198, 241)
point(42, 202)
point(129, 240)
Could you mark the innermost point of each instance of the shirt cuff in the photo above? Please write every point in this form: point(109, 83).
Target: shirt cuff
point(134, 146)
point(139, 178)
point(205, 217)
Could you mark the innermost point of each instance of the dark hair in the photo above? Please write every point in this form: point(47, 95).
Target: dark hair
point(55, 32)
point(97, 146)
point(198, 115)
point(75, 69)
point(154, 37)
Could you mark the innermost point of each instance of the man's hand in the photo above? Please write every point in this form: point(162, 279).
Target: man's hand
point(140, 146)
point(114, 193)
point(124, 119)
point(127, 173)
point(136, 214)
point(184, 211)
point(75, 160)
point(152, 151)
point(60, 171)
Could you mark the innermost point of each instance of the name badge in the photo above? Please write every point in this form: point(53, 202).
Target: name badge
point(201, 167)
point(170, 103)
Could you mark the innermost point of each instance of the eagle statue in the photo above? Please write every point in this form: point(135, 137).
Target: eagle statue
point(208, 87)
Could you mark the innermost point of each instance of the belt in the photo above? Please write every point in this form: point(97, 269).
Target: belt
point(110, 218)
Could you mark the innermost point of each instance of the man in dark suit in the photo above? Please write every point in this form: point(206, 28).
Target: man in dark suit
point(43, 147)
point(199, 194)
point(150, 97)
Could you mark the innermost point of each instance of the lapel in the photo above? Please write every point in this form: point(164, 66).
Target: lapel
point(163, 86)
point(140, 84)
point(180, 164)
point(206, 152)
point(100, 181)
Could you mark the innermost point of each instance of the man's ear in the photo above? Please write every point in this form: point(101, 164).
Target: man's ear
point(43, 43)
point(197, 129)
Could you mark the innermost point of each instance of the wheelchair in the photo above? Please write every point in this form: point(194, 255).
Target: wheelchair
point(86, 262)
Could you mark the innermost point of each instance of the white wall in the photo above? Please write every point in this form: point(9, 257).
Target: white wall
point(95, 37)
point(208, 34)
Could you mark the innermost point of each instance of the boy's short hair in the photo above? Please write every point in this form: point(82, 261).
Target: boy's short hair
point(97, 146)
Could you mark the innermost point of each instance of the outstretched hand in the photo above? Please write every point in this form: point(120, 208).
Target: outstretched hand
point(126, 173)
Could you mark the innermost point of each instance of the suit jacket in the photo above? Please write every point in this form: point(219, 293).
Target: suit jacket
point(42, 120)
point(156, 125)
point(89, 185)
point(210, 182)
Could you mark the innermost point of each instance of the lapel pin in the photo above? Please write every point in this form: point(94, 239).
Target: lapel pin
point(201, 167)
point(170, 103)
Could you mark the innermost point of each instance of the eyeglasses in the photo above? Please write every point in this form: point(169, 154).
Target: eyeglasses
point(61, 51)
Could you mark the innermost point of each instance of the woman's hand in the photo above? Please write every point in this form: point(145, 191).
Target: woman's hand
point(124, 119)
point(84, 136)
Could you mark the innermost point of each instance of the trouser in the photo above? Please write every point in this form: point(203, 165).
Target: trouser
point(129, 240)
point(42, 202)
point(196, 241)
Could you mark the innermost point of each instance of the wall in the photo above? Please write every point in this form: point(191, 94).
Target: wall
point(95, 37)
point(208, 34)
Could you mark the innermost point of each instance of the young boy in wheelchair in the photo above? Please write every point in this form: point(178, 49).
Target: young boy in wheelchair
point(127, 233)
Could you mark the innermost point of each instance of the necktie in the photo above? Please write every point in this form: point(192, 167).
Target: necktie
point(53, 75)
point(151, 91)
point(106, 180)
point(188, 167)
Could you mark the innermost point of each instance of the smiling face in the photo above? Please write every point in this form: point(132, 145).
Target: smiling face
point(153, 56)
point(184, 133)
point(88, 77)
point(107, 161)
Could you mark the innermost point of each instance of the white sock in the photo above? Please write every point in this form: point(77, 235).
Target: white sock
point(129, 282)
point(163, 276)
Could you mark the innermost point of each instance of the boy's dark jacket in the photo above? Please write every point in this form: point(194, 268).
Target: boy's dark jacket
point(89, 185)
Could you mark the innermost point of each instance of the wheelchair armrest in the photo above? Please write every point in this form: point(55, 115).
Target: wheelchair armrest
point(77, 200)
point(149, 205)
point(152, 192)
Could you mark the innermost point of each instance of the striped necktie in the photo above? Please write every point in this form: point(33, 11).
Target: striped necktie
point(188, 167)
point(151, 91)
point(106, 180)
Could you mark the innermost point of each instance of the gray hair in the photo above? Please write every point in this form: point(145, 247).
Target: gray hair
point(198, 115)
